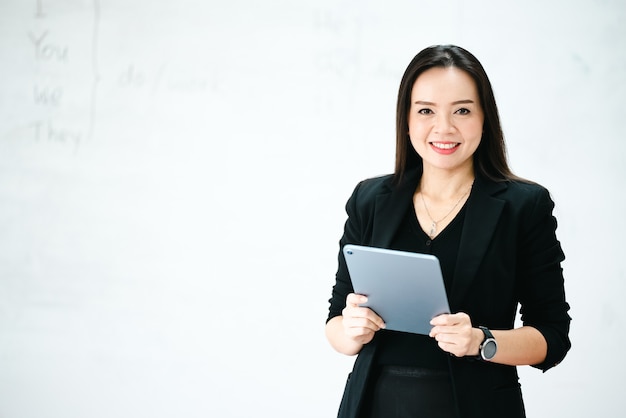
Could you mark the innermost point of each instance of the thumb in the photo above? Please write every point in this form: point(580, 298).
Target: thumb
point(355, 299)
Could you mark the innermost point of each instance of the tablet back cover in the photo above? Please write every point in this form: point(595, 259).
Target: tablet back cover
point(405, 289)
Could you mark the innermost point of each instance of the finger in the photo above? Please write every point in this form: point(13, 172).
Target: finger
point(443, 319)
point(353, 308)
point(355, 299)
point(362, 336)
point(363, 318)
point(450, 348)
point(459, 318)
point(356, 312)
point(371, 316)
point(360, 327)
point(457, 343)
point(448, 338)
point(361, 322)
point(450, 341)
point(380, 323)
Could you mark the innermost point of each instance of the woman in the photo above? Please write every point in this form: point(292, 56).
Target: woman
point(453, 195)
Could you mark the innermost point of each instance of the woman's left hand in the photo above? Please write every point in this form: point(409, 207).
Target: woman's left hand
point(454, 334)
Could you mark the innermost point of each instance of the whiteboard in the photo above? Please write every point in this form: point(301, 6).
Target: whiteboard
point(164, 166)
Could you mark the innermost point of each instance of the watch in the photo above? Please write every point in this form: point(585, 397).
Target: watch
point(489, 347)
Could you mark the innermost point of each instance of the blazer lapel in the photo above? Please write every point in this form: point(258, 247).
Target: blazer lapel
point(481, 218)
point(391, 208)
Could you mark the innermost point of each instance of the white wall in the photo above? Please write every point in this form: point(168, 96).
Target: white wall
point(173, 175)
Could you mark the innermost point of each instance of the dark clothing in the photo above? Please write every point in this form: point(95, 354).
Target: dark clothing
point(404, 349)
point(508, 254)
point(411, 237)
point(410, 372)
point(410, 392)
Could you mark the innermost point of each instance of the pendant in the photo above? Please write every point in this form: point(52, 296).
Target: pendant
point(433, 230)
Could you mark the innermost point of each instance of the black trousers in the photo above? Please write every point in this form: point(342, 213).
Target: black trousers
point(408, 392)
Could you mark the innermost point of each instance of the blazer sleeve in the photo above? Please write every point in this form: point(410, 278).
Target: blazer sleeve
point(352, 234)
point(542, 292)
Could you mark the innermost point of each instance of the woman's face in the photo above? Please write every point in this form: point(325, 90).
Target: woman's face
point(445, 118)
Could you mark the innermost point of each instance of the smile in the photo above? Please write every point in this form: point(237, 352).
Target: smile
point(445, 145)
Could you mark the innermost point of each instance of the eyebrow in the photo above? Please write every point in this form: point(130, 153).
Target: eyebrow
point(424, 102)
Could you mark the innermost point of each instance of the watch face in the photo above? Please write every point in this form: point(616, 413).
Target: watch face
point(489, 349)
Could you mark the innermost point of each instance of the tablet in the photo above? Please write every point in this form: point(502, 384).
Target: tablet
point(405, 289)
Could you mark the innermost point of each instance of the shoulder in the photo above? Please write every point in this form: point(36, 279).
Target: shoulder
point(367, 192)
point(374, 186)
point(526, 199)
point(387, 185)
point(520, 192)
point(525, 187)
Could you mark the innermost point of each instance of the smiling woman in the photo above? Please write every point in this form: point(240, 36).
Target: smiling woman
point(453, 196)
point(445, 119)
point(445, 127)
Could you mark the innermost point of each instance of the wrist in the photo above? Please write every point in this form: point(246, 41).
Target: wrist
point(477, 338)
point(488, 347)
point(483, 345)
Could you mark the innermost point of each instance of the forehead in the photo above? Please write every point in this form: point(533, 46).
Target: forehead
point(441, 84)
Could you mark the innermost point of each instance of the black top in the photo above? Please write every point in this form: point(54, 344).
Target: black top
point(508, 256)
point(407, 349)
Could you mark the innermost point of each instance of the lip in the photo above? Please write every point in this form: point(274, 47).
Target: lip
point(445, 148)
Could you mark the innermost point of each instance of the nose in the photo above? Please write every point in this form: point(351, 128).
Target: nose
point(443, 124)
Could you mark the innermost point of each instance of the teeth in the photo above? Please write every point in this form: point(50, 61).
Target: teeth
point(444, 146)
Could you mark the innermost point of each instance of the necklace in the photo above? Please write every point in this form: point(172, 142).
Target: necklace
point(433, 225)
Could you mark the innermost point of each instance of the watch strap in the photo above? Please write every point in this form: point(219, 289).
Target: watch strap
point(488, 338)
point(487, 333)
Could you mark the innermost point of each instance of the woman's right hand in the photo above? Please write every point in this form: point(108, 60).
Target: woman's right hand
point(360, 323)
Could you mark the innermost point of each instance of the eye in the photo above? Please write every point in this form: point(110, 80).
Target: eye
point(425, 111)
point(463, 111)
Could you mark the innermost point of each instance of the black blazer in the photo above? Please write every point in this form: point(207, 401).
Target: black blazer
point(508, 254)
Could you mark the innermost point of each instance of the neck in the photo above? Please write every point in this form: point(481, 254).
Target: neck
point(445, 184)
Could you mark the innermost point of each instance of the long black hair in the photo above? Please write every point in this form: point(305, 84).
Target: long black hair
point(490, 158)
